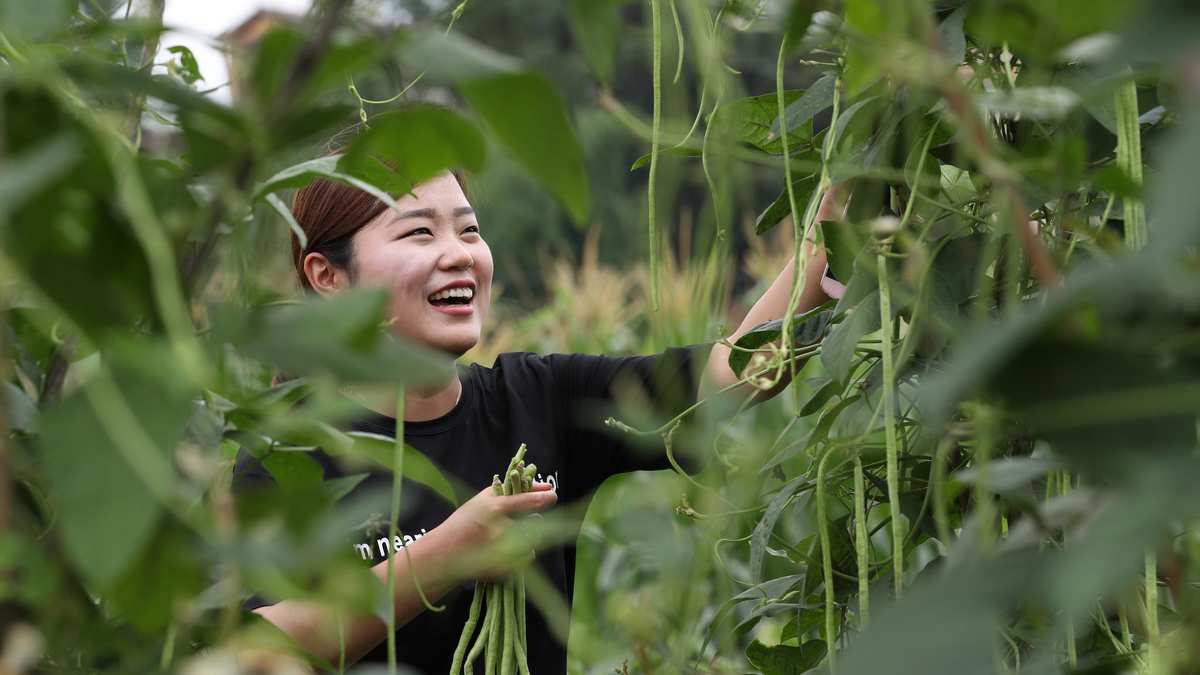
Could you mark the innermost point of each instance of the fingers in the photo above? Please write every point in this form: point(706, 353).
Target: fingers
point(541, 496)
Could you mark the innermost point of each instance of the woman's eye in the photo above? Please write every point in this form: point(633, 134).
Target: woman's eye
point(419, 230)
point(472, 228)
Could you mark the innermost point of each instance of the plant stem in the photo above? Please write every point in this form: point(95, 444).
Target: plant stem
point(397, 488)
point(940, 518)
point(5, 471)
point(656, 132)
point(1129, 160)
point(1151, 610)
point(341, 628)
point(889, 418)
point(985, 506)
point(826, 560)
point(862, 547)
point(1126, 633)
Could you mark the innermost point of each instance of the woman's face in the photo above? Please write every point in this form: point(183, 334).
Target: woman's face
point(433, 243)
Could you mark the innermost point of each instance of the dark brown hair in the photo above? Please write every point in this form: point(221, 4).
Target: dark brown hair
point(330, 213)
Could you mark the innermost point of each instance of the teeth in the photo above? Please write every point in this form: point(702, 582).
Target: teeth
point(461, 292)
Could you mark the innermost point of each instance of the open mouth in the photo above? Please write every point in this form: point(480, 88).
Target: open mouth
point(453, 297)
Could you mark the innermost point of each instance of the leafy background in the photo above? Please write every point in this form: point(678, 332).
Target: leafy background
point(986, 463)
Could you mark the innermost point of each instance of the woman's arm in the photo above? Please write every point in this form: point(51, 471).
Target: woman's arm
point(773, 305)
point(438, 562)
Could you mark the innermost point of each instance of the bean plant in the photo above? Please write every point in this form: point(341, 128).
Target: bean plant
point(984, 460)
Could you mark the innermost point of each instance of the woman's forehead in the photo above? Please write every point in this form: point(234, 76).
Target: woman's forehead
point(441, 193)
point(439, 197)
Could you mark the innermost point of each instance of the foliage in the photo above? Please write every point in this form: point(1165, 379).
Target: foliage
point(986, 463)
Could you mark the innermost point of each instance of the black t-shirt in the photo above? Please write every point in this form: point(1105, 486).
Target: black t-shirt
point(555, 404)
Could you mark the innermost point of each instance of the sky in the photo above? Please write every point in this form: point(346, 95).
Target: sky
point(197, 22)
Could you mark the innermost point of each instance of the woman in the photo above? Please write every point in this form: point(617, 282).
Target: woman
point(432, 257)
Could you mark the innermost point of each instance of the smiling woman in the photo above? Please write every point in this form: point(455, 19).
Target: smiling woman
point(432, 245)
point(428, 253)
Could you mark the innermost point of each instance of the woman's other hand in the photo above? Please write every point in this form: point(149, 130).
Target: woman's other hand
point(474, 535)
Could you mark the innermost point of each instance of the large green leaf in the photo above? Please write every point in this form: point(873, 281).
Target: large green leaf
point(417, 467)
point(404, 148)
point(522, 108)
point(530, 118)
point(170, 571)
point(596, 24)
point(284, 66)
point(33, 170)
point(749, 121)
point(800, 111)
point(70, 237)
point(867, 22)
point(342, 336)
point(28, 20)
point(105, 510)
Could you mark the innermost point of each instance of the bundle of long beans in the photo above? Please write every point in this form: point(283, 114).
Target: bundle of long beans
point(501, 638)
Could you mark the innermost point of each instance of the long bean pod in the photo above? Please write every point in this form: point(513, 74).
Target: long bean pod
point(460, 652)
point(501, 639)
point(889, 417)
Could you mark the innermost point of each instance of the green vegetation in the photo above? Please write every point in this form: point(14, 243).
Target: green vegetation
point(987, 463)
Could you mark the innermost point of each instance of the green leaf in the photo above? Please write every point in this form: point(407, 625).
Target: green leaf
point(33, 20)
point(781, 208)
point(452, 58)
point(293, 467)
point(766, 525)
point(799, 16)
point(957, 185)
point(807, 329)
point(408, 146)
point(596, 25)
point(785, 660)
point(168, 572)
point(284, 212)
point(805, 621)
point(33, 170)
point(105, 511)
point(837, 351)
point(819, 398)
point(801, 110)
point(300, 125)
point(417, 467)
point(754, 121)
point(867, 21)
point(843, 246)
point(343, 337)
point(644, 160)
point(299, 175)
point(187, 68)
point(522, 108)
point(344, 485)
point(1114, 181)
point(274, 54)
point(530, 118)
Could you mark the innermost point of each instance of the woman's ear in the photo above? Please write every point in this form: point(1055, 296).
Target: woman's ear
point(323, 276)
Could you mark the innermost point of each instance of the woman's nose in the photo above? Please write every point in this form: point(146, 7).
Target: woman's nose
point(456, 255)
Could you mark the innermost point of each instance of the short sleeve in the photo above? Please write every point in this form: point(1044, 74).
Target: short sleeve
point(643, 391)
